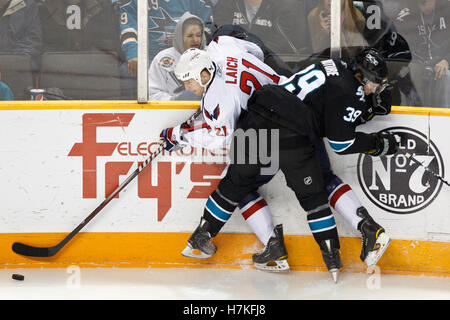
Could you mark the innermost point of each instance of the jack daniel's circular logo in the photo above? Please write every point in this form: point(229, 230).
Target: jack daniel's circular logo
point(397, 184)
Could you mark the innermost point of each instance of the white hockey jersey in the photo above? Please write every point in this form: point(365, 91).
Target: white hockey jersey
point(239, 72)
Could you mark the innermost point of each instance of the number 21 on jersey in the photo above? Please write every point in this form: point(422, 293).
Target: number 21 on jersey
point(247, 77)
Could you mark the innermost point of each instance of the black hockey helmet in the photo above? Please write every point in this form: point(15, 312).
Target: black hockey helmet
point(235, 31)
point(370, 63)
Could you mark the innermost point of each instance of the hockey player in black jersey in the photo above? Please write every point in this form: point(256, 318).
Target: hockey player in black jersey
point(340, 195)
point(342, 97)
point(328, 99)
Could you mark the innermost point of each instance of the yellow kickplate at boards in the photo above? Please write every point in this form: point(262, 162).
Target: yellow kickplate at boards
point(234, 251)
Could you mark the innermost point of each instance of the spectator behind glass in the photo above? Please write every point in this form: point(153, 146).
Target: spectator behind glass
point(162, 17)
point(425, 25)
point(270, 58)
point(352, 24)
point(5, 92)
point(163, 84)
point(381, 34)
point(79, 25)
point(280, 24)
point(20, 29)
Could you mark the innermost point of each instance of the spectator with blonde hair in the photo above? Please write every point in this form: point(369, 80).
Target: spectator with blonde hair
point(352, 24)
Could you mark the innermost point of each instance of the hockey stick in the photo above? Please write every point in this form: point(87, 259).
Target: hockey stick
point(410, 156)
point(31, 251)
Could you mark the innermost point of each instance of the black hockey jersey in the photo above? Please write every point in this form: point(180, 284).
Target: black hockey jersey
point(337, 98)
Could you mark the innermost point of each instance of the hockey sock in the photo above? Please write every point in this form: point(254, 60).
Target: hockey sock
point(322, 224)
point(344, 200)
point(257, 214)
point(217, 211)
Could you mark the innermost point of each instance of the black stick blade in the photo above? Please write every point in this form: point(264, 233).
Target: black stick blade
point(30, 251)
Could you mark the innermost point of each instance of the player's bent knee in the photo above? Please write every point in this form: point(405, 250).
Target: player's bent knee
point(332, 182)
point(312, 202)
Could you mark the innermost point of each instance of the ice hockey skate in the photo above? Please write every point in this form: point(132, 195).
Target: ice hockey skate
point(374, 239)
point(199, 245)
point(274, 256)
point(331, 257)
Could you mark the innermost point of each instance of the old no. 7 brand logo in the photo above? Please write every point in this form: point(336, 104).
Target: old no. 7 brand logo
point(90, 149)
point(398, 185)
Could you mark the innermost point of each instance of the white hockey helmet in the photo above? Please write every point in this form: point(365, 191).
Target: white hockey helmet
point(191, 64)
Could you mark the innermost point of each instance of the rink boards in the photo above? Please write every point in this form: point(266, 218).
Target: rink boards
point(60, 160)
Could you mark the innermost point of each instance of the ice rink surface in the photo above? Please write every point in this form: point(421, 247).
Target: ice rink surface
point(74, 283)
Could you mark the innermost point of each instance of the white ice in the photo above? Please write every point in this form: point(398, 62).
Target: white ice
point(218, 284)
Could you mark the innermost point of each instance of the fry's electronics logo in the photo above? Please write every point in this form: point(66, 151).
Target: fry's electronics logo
point(397, 184)
point(89, 150)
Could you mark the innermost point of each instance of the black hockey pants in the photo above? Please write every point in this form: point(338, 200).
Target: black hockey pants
point(297, 159)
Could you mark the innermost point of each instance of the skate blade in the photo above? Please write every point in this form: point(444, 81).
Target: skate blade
point(190, 252)
point(334, 274)
point(383, 242)
point(273, 266)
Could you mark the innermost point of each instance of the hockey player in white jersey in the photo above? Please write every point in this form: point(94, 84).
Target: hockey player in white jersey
point(234, 70)
point(226, 75)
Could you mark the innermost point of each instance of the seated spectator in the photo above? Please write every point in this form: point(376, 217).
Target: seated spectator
point(79, 25)
point(162, 17)
point(5, 92)
point(20, 28)
point(352, 24)
point(425, 24)
point(280, 24)
point(163, 84)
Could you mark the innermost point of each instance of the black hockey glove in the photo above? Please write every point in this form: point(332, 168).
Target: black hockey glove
point(382, 103)
point(378, 104)
point(386, 144)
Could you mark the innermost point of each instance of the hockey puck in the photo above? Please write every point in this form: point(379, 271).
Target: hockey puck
point(19, 277)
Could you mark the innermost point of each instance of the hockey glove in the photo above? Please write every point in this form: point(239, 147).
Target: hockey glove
point(386, 144)
point(382, 103)
point(171, 144)
point(379, 104)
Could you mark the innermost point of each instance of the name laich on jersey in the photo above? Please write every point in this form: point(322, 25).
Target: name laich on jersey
point(232, 64)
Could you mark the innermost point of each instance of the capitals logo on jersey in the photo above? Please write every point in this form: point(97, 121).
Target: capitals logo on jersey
point(215, 114)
